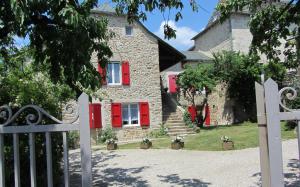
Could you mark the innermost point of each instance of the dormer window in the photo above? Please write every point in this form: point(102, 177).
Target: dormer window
point(128, 30)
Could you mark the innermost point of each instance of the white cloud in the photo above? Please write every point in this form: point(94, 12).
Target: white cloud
point(183, 36)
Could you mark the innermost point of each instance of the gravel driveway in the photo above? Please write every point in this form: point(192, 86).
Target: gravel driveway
point(166, 167)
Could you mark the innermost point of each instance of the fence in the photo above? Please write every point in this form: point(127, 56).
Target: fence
point(33, 125)
point(270, 104)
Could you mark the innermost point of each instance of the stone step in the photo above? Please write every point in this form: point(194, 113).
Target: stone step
point(180, 134)
point(178, 127)
point(172, 117)
point(180, 130)
point(175, 123)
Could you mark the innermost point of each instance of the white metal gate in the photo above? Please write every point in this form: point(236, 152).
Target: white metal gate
point(270, 105)
point(32, 125)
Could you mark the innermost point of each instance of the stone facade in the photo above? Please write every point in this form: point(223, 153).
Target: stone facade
point(141, 51)
point(216, 38)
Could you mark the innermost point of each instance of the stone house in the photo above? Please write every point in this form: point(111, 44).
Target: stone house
point(231, 35)
point(131, 101)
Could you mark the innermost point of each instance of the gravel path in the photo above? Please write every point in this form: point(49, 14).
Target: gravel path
point(161, 168)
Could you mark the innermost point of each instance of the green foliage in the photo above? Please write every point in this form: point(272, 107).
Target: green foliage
point(195, 79)
point(20, 85)
point(107, 134)
point(240, 73)
point(192, 81)
point(187, 120)
point(269, 24)
point(73, 139)
point(63, 34)
point(161, 132)
point(290, 125)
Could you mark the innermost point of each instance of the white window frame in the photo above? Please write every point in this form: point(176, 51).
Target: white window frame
point(131, 27)
point(129, 115)
point(113, 73)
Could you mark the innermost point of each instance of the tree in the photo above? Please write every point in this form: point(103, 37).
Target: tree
point(63, 34)
point(20, 85)
point(270, 23)
point(193, 81)
point(240, 72)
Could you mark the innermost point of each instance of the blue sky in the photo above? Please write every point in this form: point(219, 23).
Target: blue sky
point(191, 24)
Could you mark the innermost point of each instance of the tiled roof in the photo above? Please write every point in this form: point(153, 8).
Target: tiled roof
point(195, 56)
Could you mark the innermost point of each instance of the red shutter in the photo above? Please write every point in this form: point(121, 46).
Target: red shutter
point(172, 84)
point(144, 114)
point(207, 114)
point(91, 115)
point(125, 73)
point(193, 112)
point(95, 116)
point(102, 72)
point(116, 115)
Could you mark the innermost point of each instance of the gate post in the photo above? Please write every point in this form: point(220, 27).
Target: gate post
point(263, 135)
point(85, 140)
point(274, 133)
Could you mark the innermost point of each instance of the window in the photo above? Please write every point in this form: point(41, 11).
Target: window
point(114, 73)
point(128, 30)
point(130, 114)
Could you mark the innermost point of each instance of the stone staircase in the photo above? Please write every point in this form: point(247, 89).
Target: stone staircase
point(173, 120)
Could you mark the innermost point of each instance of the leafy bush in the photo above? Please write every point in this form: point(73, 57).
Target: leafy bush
point(290, 125)
point(21, 85)
point(178, 139)
point(146, 141)
point(225, 139)
point(188, 120)
point(107, 134)
point(73, 140)
point(161, 132)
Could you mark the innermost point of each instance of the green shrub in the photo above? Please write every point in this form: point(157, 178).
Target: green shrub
point(187, 120)
point(161, 132)
point(290, 125)
point(107, 134)
point(73, 139)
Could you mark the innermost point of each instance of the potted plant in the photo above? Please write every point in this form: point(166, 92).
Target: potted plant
point(177, 143)
point(227, 143)
point(146, 143)
point(112, 144)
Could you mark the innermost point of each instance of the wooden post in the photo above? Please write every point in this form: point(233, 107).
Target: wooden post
point(263, 135)
point(274, 133)
point(85, 140)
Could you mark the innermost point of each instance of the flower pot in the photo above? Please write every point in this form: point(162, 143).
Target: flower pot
point(228, 145)
point(112, 146)
point(177, 145)
point(146, 145)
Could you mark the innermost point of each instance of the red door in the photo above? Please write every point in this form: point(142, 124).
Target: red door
point(172, 84)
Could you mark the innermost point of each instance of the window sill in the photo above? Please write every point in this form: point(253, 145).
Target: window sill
point(115, 86)
point(130, 126)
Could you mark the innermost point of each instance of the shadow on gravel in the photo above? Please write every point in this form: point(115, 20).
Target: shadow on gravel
point(174, 179)
point(106, 177)
point(292, 177)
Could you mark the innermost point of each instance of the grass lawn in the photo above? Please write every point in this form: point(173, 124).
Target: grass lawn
point(244, 136)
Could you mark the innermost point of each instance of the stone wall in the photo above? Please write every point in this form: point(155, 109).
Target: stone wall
point(141, 50)
point(215, 39)
point(221, 107)
point(241, 35)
